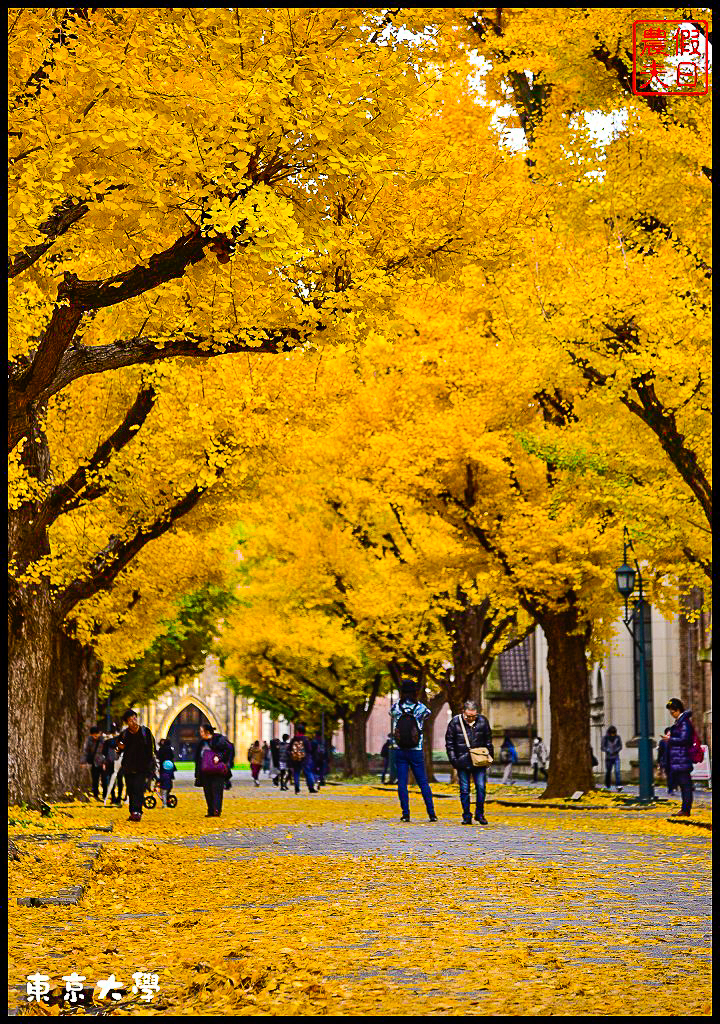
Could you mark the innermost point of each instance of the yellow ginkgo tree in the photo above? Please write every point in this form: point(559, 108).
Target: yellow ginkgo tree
point(186, 184)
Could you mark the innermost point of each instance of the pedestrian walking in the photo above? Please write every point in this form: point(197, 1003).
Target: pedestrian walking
point(112, 778)
point(284, 772)
point(408, 716)
point(683, 750)
point(662, 760)
point(300, 758)
point(275, 769)
point(385, 755)
point(320, 759)
point(508, 757)
point(469, 746)
point(93, 754)
point(166, 778)
point(137, 745)
point(538, 758)
point(214, 756)
point(611, 747)
point(255, 757)
point(266, 757)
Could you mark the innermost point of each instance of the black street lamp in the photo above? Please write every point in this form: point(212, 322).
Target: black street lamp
point(626, 578)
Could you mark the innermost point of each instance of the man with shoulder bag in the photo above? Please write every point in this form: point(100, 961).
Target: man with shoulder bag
point(468, 742)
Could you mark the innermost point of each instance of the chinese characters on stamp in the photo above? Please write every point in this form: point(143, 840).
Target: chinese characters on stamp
point(670, 58)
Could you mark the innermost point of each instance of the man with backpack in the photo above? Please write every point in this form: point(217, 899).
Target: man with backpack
point(682, 751)
point(469, 746)
point(408, 717)
point(137, 745)
point(300, 758)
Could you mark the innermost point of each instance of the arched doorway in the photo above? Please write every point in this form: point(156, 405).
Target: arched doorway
point(183, 733)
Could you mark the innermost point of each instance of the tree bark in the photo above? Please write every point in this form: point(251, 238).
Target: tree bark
point(570, 767)
point(435, 704)
point(31, 622)
point(70, 710)
point(30, 659)
point(356, 759)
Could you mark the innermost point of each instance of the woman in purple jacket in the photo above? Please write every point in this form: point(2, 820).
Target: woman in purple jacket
point(678, 759)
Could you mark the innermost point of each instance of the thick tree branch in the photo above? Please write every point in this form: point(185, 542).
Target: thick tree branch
point(644, 403)
point(76, 297)
point(85, 360)
point(119, 552)
point(60, 220)
point(79, 486)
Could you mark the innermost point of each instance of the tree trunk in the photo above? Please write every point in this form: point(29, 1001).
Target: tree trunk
point(356, 759)
point(570, 762)
point(53, 684)
point(30, 662)
point(435, 704)
point(31, 624)
point(70, 711)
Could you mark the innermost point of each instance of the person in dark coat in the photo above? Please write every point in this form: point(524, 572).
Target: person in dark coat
point(678, 760)
point(662, 752)
point(165, 751)
point(213, 784)
point(110, 757)
point(137, 745)
point(94, 757)
point(320, 758)
point(385, 755)
point(611, 747)
point(479, 734)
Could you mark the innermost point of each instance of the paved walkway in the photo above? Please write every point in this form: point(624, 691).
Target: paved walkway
point(544, 912)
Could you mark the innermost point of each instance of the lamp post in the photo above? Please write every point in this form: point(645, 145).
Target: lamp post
point(626, 579)
point(391, 750)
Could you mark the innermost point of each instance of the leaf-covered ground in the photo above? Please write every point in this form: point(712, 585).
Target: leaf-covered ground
point(327, 905)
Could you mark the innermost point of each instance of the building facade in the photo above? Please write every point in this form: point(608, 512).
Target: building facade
point(678, 665)
point(178, 713)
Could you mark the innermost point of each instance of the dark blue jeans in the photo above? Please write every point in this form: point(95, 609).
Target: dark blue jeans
point(404, 761)
point(612, 764)
point(684, 781)
point(479, 774)
point(307, 772)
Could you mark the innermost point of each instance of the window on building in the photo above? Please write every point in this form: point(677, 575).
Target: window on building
point(647, 623)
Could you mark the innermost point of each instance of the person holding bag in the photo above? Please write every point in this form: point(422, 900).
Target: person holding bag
point(213, 761)
point(469, 746)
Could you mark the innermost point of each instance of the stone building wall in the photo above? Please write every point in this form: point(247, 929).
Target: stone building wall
point(234, 716)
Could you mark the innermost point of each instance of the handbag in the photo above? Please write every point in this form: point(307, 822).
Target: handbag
point(479, 756)
point(211, 763)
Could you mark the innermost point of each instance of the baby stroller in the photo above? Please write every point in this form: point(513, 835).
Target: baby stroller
point(150, 800)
